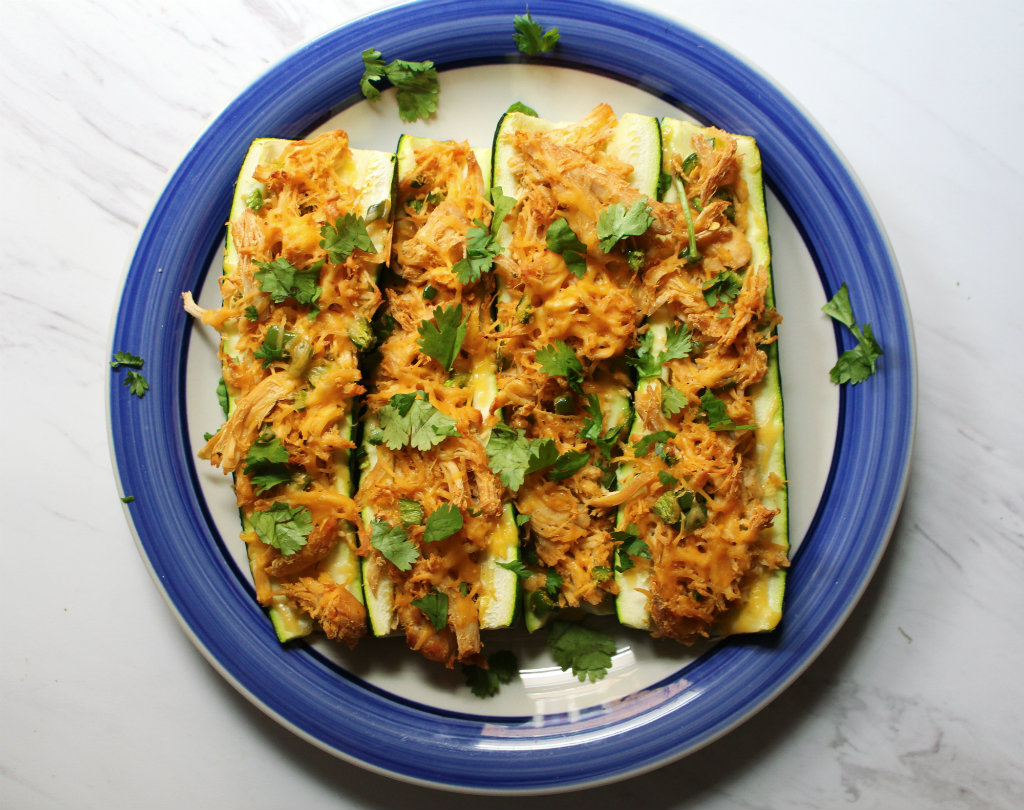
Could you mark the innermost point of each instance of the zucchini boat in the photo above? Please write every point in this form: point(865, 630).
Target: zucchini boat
point(703, 519)
point(308, 231)
point(435, 524)
point(567, 318)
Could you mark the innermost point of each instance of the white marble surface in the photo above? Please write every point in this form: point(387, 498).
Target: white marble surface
point(919, 700)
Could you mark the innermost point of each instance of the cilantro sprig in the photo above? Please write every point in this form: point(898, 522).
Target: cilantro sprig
point(267, 462)
point(281, 280)
point(441, 338)
point(512, 456)
point(857, 364)
point(482, 240)
point(133, 378)
point(531, 38)
point(410, 419)
point(442, 523)
point(481, 248)
point(722, 289)
point(592, 424)
point(416, 84)
point(435, 607)
point(394, 543)
point(616, 222)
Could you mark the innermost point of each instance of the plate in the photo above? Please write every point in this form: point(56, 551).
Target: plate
point(848, 448)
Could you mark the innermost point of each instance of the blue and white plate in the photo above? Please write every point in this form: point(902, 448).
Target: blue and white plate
point(848, 448)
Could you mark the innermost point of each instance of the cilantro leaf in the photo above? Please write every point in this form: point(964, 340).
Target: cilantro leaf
point(503, 206)
point(128, 499)
point(644, 445)
point(442, 522)
point(511, 456)
point(410, 419)
point(519, 107)
point(501, 668)
point(442, 337)
point(629, 544)
point(616, 222)
point(481, 248)
point(409, 512)
point(562, 239)
point(347, 234)
point(435, 607)
point(648, 362)
point(393, 542)
point(723, 288)
point(718, 417)
point(517, 568)
point(284, 527)
point(558, 360)
point(281, 280)
point(530, 38)
point(838, 308)
point(586, 651)
point(127, 360)
point(137, 384)
point(251, 313)
point(678, 343)
point(672, 401)
point(567, 464)
point(267, 463)
point(857, 364)
point(416, 84)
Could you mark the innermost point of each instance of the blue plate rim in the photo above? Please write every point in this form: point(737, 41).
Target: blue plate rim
point(149, 445)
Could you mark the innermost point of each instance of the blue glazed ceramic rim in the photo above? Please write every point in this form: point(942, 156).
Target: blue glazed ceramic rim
point(519, 754)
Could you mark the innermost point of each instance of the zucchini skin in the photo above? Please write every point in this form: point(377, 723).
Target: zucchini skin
point(761, 608)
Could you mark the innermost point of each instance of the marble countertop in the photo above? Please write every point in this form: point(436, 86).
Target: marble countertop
point(917, 703)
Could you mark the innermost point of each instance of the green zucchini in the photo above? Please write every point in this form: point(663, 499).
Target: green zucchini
point(496, 604)
point(760, 608)
point(636, 141)
point(371, 173)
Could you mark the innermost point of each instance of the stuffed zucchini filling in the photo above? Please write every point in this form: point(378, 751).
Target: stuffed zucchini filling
point(564, 390)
